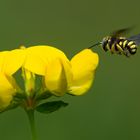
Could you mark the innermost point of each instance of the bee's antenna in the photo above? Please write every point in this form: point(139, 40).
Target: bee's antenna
point(95, 45)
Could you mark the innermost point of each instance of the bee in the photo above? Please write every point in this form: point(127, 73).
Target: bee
point(116, 43)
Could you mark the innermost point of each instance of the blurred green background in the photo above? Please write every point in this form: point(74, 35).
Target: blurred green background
point(111, 109)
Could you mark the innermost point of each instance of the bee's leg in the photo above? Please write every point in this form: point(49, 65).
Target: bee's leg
point(120, 53)
point(126, 53)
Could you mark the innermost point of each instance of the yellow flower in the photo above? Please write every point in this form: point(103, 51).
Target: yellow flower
point(7, 91)
point(38, 57)
point(10, 62)
point(83, 65)
point(52, 64)
point(62, 75)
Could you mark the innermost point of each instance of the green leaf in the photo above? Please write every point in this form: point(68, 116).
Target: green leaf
point(50, 107)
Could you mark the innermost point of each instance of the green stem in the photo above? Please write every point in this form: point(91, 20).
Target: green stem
point(31, 118)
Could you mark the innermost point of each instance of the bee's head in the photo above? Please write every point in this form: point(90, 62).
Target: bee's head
point(106, 39)
point(103, 42)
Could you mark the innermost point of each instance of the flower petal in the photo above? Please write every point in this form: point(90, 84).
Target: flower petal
point(11, 61)
point(2, 57)
point(55, 78)
point(84, 65)
point(6, 92)
point(38, 57)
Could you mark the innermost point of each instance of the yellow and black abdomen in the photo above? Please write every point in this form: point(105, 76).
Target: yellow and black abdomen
point(119, 46)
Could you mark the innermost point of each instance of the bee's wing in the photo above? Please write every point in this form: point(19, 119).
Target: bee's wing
point(135, 38)
point(121, 32)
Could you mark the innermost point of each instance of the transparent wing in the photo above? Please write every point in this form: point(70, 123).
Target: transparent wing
point(135, 38)
point(121, 32)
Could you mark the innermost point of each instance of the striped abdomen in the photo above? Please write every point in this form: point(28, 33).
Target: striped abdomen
point(119, 46)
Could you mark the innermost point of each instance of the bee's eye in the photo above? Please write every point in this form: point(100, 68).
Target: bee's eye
point(105, 39)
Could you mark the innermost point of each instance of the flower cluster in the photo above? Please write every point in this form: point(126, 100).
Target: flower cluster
point(58, 74)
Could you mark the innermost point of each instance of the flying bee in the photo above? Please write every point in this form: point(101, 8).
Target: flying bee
point(116, 43)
